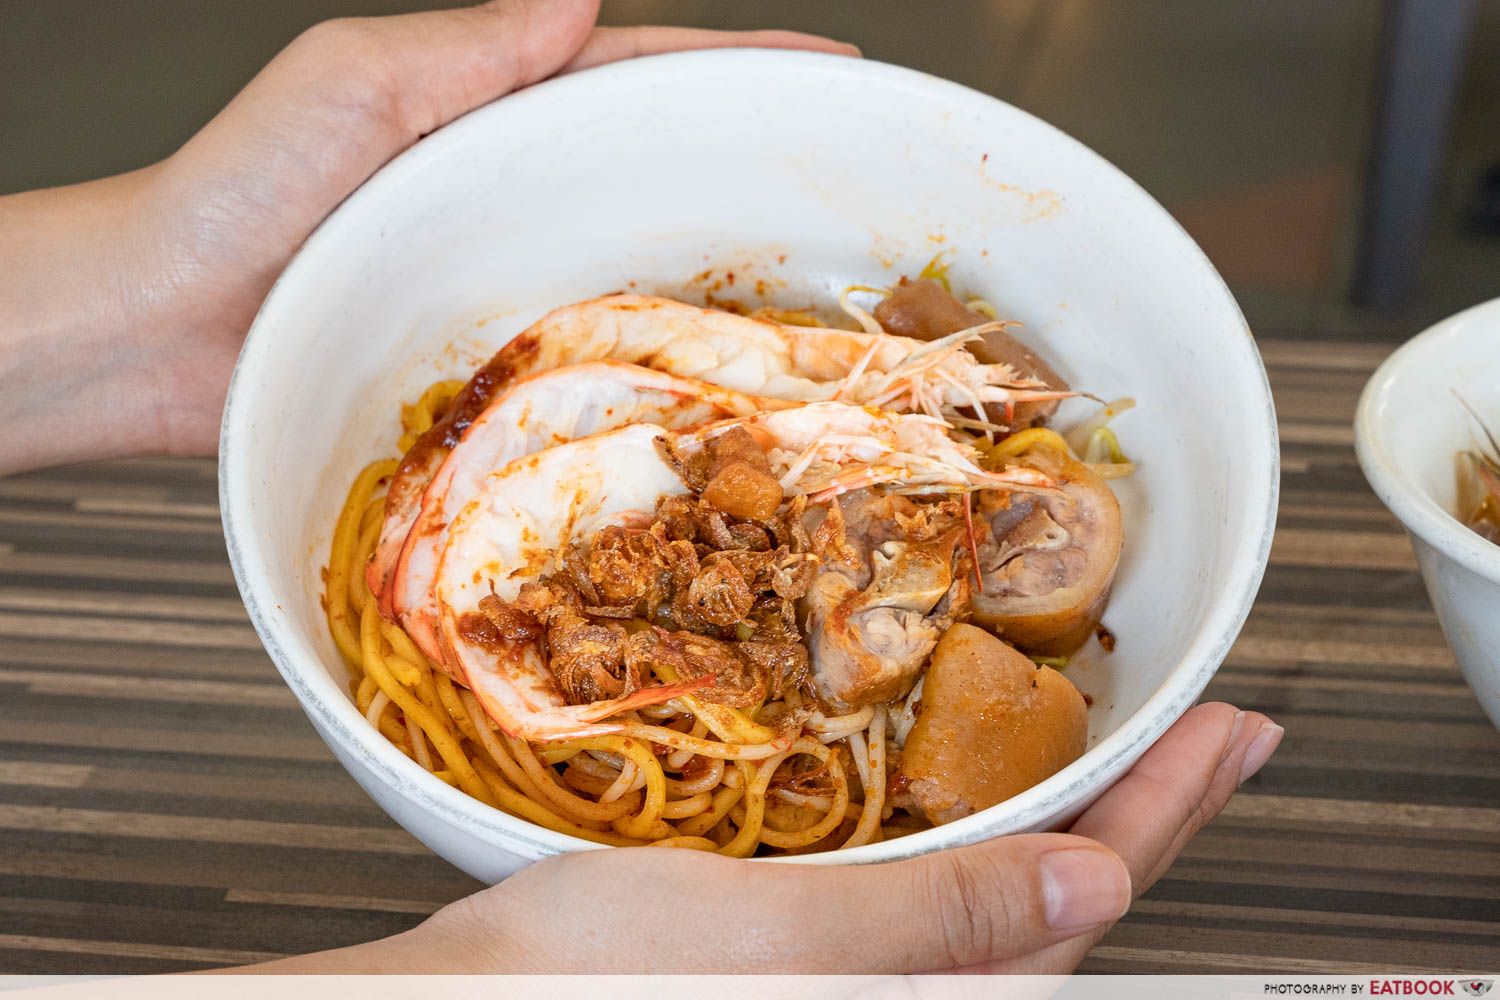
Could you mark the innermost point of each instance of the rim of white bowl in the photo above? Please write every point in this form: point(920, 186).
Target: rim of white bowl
point(1413, 507)
point(329, 707)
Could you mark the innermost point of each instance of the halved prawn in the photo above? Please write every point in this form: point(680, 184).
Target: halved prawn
point(829, 448)
point(780, 360)
point(507, 535)
point(739, 353)
point(523, 514)
point(541, 411)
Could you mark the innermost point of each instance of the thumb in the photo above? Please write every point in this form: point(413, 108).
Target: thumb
point(982, 903)
point(998, 899)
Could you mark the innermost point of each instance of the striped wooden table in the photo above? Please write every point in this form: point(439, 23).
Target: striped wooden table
point(164, 804)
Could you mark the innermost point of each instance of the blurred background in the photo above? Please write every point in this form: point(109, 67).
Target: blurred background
point(164, 805)
point(1254, 123)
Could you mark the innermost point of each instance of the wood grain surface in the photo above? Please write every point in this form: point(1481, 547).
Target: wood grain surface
point(165, 805)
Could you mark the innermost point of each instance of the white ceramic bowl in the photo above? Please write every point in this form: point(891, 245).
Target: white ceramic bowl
point(1408, 430)
point(799, 174)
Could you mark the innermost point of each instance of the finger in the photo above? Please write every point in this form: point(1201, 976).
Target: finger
point(345, 97)
point(1149, 816)
point(1180, 784)
point(994, 900)
point(607, 45)
point(436, 65)
point(349, 94)
point(1257, 740)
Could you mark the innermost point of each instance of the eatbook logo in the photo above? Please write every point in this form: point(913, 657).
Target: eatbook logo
point(1477, 987)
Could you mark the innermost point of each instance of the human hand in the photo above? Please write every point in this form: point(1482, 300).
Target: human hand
point(1033, 903)
point(138, 290)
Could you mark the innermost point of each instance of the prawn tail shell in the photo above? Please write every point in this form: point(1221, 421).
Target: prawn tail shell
point(1037, 395)
point(1018, 475)
point(645, 696)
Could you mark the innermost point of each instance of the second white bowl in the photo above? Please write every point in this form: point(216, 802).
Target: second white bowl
point(1408, 431)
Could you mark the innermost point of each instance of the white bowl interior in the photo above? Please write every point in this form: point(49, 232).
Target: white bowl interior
point(799, 175)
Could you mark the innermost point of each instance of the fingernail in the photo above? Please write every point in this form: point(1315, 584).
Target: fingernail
point(853, 50)
point(1265, 743)
point(1234, 735)
point(1083, 888)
